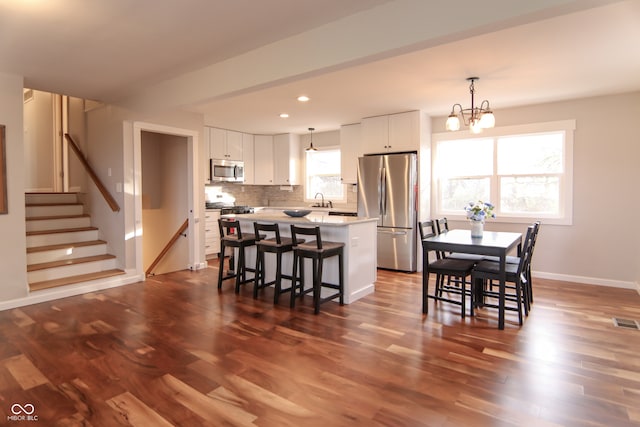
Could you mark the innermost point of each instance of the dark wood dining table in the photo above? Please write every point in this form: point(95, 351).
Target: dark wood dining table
point(494, 243)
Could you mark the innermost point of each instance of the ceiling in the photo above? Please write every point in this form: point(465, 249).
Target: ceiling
point(242, 63)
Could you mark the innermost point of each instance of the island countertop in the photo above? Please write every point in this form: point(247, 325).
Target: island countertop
point(314, 218)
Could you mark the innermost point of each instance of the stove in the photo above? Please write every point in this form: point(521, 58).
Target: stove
point(236, 210)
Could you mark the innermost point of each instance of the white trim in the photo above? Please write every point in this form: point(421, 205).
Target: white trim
point(586, 280)
point(568, 126)
point(51, 294)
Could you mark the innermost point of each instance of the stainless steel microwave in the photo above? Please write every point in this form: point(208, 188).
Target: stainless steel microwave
point(226, 170)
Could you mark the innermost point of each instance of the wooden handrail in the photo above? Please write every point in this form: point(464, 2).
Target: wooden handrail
point(103, 190)
point(168, 246)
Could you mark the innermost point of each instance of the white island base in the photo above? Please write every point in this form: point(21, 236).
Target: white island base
point(357, 233)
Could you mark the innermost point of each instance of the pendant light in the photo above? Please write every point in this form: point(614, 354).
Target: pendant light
point(311, 147)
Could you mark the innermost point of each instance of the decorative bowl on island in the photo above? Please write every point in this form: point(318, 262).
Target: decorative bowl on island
point(297, 213)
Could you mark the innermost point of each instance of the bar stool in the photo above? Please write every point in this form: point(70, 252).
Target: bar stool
point(318, 251)
point(231, 236)
point(277, 245)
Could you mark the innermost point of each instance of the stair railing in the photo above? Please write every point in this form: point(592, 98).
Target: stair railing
point(101, 187)
point(168, 246)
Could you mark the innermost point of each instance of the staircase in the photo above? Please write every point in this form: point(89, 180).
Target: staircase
point(62, 246)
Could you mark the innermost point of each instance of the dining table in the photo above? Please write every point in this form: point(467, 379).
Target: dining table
point(492, 243)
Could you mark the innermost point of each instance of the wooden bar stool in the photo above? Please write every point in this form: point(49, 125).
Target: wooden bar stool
point(232, 236)
point(318, 251)
point(277, 245)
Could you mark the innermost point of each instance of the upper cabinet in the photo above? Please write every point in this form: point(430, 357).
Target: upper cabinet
point(350, 150)
point(248, 158)
point(391, 133)
point(225, 144)
point(286, 159)
point(263, 151)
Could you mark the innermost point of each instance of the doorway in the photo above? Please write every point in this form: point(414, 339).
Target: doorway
point(164, 200)
point(164, 196)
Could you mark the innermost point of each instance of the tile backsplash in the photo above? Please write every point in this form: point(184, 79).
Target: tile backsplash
point(270, 195)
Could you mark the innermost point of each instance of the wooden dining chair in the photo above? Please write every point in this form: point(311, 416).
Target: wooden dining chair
point(486, 272)
point(455, 271)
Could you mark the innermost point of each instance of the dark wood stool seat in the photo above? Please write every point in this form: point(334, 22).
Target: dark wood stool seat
point(231, 236)
point(317, 250)
point(277, 245)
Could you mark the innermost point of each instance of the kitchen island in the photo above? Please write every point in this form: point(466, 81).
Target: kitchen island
point(357, 233)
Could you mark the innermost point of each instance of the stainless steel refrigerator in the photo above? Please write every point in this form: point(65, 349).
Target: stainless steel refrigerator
point(388, 190)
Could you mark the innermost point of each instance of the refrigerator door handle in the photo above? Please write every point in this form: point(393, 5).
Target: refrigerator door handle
point(383, 191)
point(393, 233)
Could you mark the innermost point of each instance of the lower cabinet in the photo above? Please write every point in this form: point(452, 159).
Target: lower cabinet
point(211, 232)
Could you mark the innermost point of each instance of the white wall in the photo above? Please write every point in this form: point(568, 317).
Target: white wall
point(39, 146)
point(601, 247)
point(13, 258)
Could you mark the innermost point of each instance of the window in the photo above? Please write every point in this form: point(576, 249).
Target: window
point(526, 171)
point(323, 174)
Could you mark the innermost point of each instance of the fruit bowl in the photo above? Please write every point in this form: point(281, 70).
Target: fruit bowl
point(297, 213)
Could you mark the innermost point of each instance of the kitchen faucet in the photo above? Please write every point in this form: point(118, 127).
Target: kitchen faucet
point(329, 204)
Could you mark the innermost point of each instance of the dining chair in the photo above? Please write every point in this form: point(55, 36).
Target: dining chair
point(516, 259)
point(486, 272)
point(454, 270)
point(442, 226)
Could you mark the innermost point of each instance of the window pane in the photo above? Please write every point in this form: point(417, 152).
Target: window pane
point(323, 174)
point(456, 193)
point(323, 161)
point(471, 157)
point(526, 194)
point(530, 154)
point(329, 185)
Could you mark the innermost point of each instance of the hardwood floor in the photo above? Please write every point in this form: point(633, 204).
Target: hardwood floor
point(176, 351)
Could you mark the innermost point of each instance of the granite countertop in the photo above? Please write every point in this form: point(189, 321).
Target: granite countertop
point(314, 218)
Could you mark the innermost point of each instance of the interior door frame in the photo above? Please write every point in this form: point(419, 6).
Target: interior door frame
point(193, 193)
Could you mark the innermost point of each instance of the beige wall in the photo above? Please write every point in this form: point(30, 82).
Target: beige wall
point(13, 258)
point(39, 147)
point(601, 246)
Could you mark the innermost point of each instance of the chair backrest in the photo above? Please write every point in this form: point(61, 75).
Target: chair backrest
point(306, 231)
point(427, 229)
point(271, 228)
point(525, 255)
point(442, 225)
point(229, 226)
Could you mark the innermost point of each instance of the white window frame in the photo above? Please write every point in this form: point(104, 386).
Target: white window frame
point(565, 217)
point(306, 178)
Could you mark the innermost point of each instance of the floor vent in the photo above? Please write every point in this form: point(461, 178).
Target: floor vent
point(626, 323)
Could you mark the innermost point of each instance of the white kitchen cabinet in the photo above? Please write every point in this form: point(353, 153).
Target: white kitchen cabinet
point(248, 158)
point(263, 159)
point(350, 150)
point(211, 232)
point(225, 144)
point(392, 133)
point(286, 159)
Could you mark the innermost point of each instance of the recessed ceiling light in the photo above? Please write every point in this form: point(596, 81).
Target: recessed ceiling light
point(303, 98)
point(284, 115)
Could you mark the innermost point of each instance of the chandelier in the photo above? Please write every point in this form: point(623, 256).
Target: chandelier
point(477, 118)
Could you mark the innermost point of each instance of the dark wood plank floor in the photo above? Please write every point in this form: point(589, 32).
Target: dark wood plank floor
point(175, 351)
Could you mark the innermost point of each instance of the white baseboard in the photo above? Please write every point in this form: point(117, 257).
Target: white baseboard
point(587, 280)
point(72, 290)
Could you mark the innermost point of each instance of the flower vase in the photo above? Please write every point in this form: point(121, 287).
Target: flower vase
point(477, 228)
